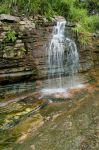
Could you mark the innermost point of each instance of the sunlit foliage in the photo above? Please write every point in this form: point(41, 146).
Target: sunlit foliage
point(83, 12)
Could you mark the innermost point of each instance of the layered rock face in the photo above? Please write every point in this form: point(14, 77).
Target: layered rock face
point(89, 54)
point(22, 48)
point(23, 45)
point(88, 51)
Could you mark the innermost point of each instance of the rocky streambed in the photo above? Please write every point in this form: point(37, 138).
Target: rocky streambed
point(52, 122)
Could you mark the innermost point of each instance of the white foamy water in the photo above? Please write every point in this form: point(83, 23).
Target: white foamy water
point(63, 60)
point(56, 52)
point(52, 91)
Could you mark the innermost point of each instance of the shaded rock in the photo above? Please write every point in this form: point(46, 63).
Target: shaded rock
point(96, 34)
point(8, 18)
point(38, 83)
point(15, 76)
point(70, 24)
point(0, 23)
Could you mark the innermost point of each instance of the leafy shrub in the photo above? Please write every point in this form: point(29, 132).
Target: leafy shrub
point(76, 14)
point(4, 9)
point(11, 36)
point(75, 10)
point(91, 23)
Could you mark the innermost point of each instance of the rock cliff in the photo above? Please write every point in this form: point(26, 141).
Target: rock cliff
point(23, 48)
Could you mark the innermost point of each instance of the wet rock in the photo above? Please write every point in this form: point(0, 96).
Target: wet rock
point(38, 83)
point(29, 126)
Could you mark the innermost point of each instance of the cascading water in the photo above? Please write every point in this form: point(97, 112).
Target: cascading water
point(63, 60)
point(72, 64)
point(72, 57)
point(56, 54)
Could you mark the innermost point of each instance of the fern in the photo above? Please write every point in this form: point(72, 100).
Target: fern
point(11, 36)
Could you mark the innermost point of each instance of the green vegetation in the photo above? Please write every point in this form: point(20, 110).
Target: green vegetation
point(4, 9)
point(11, 36)
point(83, 13)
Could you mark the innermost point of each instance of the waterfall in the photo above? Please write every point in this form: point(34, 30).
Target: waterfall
point(56, 53)
point(72, 57)
point(63, 60)
point(72, 64)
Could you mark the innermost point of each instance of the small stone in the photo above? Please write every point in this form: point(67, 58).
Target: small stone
point(3, 35)
point(28, 109)
point(16, 117)
point(19, 54)
point(6, 28)
point(22, 138)
point(1, 23)
point(48, 118)
point(33, 25)
point(22, 22)
point(22, 28)
point(55, 116)
point(18, 45)
point(7, 121)
point(1, 40)
point(27, 24)
point(19, 114)
point(97, 127)
point(45, 20)
point(18, 41)
point(38, 83)
point(32, 147)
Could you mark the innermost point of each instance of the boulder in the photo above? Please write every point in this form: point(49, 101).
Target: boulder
point(9, 18)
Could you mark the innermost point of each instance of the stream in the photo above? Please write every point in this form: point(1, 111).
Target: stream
point(55, 121)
